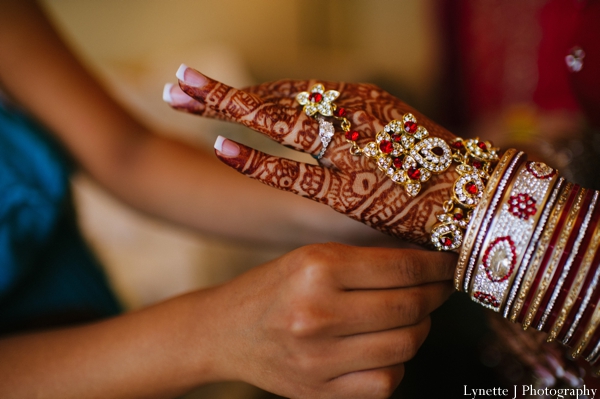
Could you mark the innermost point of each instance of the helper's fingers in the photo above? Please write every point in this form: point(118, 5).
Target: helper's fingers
point(381, 349)
point(364, 311)
point(381, 268)
point(368, 384)
point(287, 125)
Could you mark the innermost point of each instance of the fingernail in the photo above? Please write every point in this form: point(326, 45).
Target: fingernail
point(573, 380)
point(167, 93)
point(548, 379)
point(559, 371)
point(227, 147)
point(172, 94)
point(191, 77)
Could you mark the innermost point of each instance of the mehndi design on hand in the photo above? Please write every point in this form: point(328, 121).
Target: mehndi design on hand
point(347, 183)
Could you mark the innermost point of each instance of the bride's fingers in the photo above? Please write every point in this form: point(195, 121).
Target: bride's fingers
point(177, 99)
point(324, 185)
point(289, 88)
point(285, 88)
point(287, 125)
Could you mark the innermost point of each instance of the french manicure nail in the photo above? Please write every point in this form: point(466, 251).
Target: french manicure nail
point(167, 93)
point(226, 147)
point(559, 371)
point(546, 377)
point(191, 77)
point(573, 380)
point(173, 95)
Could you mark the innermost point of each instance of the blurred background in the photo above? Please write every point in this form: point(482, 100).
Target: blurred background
point(422, 51)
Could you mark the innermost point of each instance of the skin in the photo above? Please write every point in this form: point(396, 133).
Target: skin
point(352, 185)
point(323, 321)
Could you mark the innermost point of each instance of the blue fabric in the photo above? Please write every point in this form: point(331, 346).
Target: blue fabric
point(46, 269)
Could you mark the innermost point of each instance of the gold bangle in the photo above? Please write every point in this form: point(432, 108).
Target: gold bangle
point(577, 285)
point(556, 255)
point(541, 247)
point(587, 212)
point(589, 333)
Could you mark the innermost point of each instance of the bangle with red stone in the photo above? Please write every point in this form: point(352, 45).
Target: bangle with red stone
point(509, 234)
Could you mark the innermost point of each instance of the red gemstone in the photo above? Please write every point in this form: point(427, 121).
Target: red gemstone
point(352, 135)
point(414, 173)
point(458, 145)
point(410, 127)
point(437, 151)
point(482, 145)
point(386, 146)
point(446, 241)
point(397, 138)
point(340, 112)
point(397, 163)
point(471, 188)
point(316, 97)
point(458, 216)
point(477, 164)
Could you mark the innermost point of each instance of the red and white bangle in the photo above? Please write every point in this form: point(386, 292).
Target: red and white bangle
point(483, 216)
point(509, 234)
point(545, 213)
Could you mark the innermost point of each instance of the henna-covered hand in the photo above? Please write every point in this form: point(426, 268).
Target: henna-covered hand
point(350, 184)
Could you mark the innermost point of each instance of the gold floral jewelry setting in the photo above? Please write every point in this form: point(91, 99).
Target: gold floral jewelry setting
point(475, 159)
point(318, 103)
point(405, 153)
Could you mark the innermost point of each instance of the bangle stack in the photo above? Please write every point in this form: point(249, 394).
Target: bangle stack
point(531, 252)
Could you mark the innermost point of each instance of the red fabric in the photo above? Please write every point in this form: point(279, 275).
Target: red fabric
point(586, 83)
point(558, 20)
point(567, 24)
point(505, 47)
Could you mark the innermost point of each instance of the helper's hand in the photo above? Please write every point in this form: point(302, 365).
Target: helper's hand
point(349, 184)
point(328, 320)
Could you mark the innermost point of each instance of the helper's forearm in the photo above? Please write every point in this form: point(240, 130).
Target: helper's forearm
point(159, 352)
